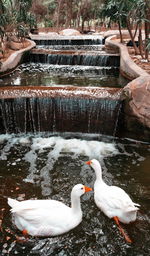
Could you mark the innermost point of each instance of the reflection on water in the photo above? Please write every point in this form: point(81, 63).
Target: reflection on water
point(46, 166)
point(36, 74)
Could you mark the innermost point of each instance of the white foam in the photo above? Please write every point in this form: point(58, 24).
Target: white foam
point(24, 140)
point(4, 137)
point(53, 147)
point(91, 149)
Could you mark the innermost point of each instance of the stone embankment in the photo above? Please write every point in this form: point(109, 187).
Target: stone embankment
point(136, 94)
point(14, 59)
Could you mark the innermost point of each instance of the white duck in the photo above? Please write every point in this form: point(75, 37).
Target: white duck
point(48, 217)
point(113, 201)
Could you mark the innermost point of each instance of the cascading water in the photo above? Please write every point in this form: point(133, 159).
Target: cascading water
point(104, 60)
point(59, 114)
point(72, 113)
point(93, 47)
point(88, 56)
point(38, 164)
point(74, 41)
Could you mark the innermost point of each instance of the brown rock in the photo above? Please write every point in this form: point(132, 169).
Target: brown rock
point(137, 100)
point(15, 46)
point(69, 32)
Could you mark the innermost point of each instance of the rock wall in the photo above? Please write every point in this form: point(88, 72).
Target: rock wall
point(136, 95)
point(14, 59)
point(137, 100)
point(127, 66)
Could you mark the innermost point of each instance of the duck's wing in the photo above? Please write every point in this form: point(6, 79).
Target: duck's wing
point(34, 204)
point(121, 200)
point(116, 198)
point(50, 212)
point(12, 202)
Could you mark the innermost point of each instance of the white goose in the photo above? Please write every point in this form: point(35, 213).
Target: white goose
point(113, 201)
point(48, 217)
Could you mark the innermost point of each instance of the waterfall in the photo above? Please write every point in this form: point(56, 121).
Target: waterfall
point(86, 41)
point(59, 115)
point(94, 47)
point(73, 59)
point(60, 109)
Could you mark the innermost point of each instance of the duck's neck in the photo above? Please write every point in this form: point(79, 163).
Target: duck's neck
point(75, 204)
point(98, 172)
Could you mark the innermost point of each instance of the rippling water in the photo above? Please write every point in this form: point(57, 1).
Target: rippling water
point(48, 166)
point(36, 74)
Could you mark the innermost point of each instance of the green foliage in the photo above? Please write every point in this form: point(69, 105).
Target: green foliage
point(24, 6)
point(148, 44)
point(115, 10)
point(130, 14)
point(31, 20)
point(51, 7)
point(21, 31)
point(121, 10)
point(48, 23)
point(4, 19)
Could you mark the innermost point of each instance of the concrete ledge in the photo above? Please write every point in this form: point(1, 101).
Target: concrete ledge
point(127, 66)
point(14, 59)
point(63, 92)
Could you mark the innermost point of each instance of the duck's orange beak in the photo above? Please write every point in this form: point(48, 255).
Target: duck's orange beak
point(87, 189)
point(88, 162)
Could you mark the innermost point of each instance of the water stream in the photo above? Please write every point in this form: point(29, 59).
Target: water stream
point(65, 132)
point(59, 115)
point(48, 165)
point(37, 74)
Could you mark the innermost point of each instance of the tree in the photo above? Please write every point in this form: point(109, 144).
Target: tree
point(115, 12)
point(132, 14)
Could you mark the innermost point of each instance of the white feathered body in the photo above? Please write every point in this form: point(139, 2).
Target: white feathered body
point(44, 217)
point(114, 201)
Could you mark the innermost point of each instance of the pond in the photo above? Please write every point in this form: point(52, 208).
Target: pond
point(37, 74)
point(48, 166)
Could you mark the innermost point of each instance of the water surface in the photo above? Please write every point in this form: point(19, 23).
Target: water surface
point(38, 74)
point(48, 166)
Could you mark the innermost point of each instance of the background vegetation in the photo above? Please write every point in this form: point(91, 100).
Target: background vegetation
point(18, 17)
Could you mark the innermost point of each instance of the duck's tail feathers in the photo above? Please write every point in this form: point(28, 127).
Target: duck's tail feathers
point(137, 205)
point(133, 208)
point(12, 203)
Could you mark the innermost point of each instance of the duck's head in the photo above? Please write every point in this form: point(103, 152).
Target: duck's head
point(95, 165)
point(80, 189)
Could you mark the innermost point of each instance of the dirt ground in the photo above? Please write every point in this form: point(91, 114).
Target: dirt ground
point(141, 62)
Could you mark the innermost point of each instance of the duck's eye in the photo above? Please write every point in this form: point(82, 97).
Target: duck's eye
point(82, 188)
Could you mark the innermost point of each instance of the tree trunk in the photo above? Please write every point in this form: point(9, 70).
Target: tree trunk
point(58, 14)
point(147, 30)
point(146, 39)
point(69, 13)
point(132, 38)
point(121, 38)
point(78, 17)
point(82, 27)
point(135, 31)
point(140, 41)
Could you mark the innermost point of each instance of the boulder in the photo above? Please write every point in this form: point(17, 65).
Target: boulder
point(136, 97)
point(15, 46)
point(69, 32)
